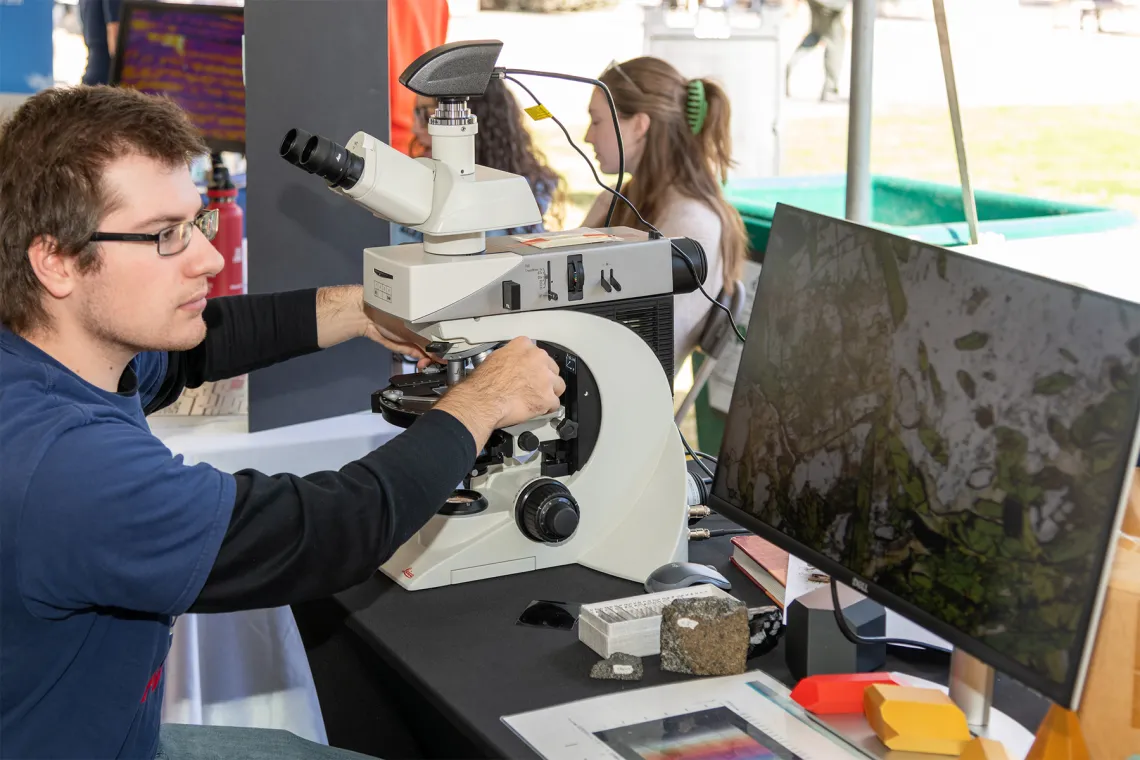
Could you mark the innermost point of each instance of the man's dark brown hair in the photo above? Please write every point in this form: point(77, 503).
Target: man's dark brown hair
point(53, 153)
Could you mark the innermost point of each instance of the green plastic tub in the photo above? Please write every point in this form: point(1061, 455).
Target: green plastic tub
point(924, 211)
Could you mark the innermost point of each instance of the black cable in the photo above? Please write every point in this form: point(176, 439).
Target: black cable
point(617, 192)
point(854, 638)
point(693, 269)
point(704, 534)
point(613, 115)
point(703, 455)
point(728, 532)
point(621, 157)
point(693, 454)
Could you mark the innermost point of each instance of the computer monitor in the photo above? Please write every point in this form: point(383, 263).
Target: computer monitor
point(951, 437)
point(191, 53)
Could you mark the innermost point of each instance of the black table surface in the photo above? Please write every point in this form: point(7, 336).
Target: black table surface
point(462, 649)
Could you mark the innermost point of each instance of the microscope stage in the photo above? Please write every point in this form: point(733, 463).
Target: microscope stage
point(409, 396)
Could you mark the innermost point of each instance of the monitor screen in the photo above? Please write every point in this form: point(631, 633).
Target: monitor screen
point(950, 436)
point(192, 54)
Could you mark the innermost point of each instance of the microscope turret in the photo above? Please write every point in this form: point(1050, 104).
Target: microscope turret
point(601, 482)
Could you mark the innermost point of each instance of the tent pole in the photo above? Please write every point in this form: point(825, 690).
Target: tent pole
point(859, 112)
point(956, 120)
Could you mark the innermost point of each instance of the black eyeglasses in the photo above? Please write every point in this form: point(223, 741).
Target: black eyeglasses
point(169, 240)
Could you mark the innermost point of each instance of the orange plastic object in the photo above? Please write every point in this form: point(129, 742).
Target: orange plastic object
point(911, 719)
point(837, 693)
point(1059, 737)
point(984, 749)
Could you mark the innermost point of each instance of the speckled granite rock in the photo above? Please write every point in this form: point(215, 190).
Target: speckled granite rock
point(618, 667)
point(704, 637)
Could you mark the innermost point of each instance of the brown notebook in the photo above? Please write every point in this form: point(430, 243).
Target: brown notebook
point(764, 563)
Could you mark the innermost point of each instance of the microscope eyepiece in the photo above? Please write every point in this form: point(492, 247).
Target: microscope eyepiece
point(336, 164)
point(292, 146)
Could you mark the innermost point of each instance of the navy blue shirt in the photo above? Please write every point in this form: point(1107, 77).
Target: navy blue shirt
point(105, 537)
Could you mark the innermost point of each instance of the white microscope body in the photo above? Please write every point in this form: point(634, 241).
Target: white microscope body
point(602, 483)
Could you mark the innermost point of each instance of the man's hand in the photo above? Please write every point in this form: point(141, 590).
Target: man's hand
point(396, 336)
point(517, 382)
point(342, 315)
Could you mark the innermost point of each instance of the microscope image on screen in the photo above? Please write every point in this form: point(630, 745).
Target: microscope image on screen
point(950, 430)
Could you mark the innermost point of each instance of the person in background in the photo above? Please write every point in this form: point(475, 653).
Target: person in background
point(414, 27)
point(678, 150)
point(827, 25)
point(100, 22)
point(503, 143)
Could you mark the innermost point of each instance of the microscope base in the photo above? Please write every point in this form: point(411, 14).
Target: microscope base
point(631, 493)
point(643, 533)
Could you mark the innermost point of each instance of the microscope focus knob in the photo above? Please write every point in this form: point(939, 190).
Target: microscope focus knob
point(548, 512)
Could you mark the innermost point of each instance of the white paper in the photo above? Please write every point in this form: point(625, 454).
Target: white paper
point(799, 581)
point(745, 712)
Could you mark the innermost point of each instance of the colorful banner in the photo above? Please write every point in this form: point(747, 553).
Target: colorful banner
point(194, 58)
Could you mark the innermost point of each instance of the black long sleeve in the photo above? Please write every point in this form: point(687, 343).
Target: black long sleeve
point(243, 333)
point(293, 539)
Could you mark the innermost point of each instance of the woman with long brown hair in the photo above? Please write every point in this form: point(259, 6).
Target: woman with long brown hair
point(678, 149)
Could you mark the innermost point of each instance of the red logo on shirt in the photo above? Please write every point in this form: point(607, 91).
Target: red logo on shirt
point(152, 684)
point(408, 573)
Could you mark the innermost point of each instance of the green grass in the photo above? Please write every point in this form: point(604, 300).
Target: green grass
point(1080, 154)
point(1077, 154)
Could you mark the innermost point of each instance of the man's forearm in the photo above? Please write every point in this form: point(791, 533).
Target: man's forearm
point(340, 314)
point(292, 539)
point(243, 333)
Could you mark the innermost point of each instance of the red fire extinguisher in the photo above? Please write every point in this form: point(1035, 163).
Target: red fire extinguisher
point(222, 195)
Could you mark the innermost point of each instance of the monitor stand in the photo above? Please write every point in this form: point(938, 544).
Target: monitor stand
point(971, 687)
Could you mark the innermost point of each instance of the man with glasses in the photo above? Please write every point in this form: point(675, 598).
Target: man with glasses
point(105, 536)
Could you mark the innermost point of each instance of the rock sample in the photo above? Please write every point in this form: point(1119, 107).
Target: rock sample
point(766, 626)
point(618, 667)
point(704, 637)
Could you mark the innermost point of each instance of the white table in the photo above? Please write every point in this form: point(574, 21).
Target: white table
point(249, 669)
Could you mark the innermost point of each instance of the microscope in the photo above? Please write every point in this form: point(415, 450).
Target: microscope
point(601, 482)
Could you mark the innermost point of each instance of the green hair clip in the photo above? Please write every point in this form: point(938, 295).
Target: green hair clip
point(696, 106)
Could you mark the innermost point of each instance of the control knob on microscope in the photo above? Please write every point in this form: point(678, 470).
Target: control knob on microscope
point(549, 512)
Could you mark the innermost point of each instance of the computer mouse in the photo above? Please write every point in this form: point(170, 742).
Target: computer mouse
point(683, 574)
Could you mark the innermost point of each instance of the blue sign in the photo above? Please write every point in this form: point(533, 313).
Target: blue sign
point(26, 46)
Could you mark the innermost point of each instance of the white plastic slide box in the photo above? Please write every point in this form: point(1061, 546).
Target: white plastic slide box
point(633, 625)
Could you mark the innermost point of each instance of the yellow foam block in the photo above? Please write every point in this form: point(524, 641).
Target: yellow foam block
point(910, 719)
point(984, 749)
